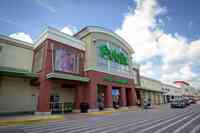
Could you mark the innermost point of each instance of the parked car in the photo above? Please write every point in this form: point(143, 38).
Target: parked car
point(187, 101)
point(178, 104)
point(193, 101)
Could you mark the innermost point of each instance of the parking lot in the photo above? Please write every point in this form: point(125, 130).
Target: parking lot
point(167, 120)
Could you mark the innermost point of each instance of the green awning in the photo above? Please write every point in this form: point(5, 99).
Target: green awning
point(67, 77)
point(14, 72)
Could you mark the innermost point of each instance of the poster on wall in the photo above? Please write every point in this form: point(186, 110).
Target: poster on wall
point(38, 60)
point(65, 60)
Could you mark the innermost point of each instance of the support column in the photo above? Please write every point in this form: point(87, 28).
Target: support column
point(91, 96)
point(122, 96)
point(45, 85)
point(142, 97)
point(108, 97)
point(132, 98)
point(44, 97)
point(78, 96)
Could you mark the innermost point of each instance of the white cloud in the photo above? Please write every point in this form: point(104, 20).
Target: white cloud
point(142, 28)
point(70, 30)
point(147, 69)
point(45, 4)
point(22, 36)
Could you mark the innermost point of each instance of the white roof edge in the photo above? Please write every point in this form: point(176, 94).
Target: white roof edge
point(170, 85)
point(22, 43)
point(103, 30)
point(150, 79)
point(52, 31)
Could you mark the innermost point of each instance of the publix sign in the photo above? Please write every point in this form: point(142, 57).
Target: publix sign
point(113, 55)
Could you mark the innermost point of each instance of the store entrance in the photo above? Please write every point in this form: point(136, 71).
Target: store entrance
point(115, 97)
point(100, 96)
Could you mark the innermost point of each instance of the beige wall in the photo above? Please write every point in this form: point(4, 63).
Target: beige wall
point(173, 90)
point(16, 94)
point(15, 56)
point(150, 84)
point(66, 94)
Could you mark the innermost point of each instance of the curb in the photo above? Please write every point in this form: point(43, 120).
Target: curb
point(102, 113)
point(34, 120)
point(106, 113)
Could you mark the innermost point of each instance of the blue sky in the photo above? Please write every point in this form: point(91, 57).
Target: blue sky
point(30, 16)
point(164, 33)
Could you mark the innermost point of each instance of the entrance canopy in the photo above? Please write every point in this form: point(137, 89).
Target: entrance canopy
point(67, 77)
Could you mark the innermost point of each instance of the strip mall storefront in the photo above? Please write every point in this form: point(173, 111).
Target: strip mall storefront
point(93, 66)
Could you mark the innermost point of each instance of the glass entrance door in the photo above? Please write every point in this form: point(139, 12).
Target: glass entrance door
point(115, 97)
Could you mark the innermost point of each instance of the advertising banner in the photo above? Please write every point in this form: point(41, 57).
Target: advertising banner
point(65, 60)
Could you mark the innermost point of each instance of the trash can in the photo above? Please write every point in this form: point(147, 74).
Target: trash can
point(84, 107)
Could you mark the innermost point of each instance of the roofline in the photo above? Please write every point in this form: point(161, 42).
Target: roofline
point(150, 78)
point(17, 42)
point(49, 30)
point(107, 31)
point(181, 81)
point(170, 85)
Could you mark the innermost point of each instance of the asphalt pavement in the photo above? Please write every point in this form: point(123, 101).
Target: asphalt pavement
point(165, 120)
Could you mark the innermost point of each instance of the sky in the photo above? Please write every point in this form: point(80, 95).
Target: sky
point(164, 33)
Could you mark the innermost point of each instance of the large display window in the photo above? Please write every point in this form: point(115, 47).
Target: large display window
point(111, 57)
point(66, 60)
point(38, 59)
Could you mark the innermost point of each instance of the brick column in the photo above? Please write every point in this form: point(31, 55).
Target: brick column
point(79, 95)
point(108, 97)
point(91, 95)
point(44, 96)
point(132, 98)
point(122, 97)
point(45, 84)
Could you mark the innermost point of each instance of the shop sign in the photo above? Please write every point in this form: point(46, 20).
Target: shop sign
point(118, 81)
point(113, 55)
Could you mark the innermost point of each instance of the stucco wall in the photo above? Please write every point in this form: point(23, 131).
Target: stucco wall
point(66, 94)
point(172, 90)
point(15, 56)
point(16, 94)
point(150, 84)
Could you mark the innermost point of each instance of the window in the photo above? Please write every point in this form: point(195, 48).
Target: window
point(66, 60)
point(38, 60)
point(108, 57)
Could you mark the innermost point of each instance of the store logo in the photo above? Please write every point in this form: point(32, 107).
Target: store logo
point(118, 81)
point(113, 55)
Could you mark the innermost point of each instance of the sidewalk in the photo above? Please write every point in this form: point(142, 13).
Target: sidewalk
point(161, 106)
point(28, 119)
point(34, 119)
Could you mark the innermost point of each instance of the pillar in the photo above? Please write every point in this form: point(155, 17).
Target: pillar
point(45, 85)
point(131, 97)
point(78, 96)
point(108, 97)
point(142, 97)
point(91, 95)
point(44, 96)
point(122, 97)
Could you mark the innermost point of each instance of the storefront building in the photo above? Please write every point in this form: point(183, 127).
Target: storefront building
point(171, 92)
point(150, 91)
point(93, 66)
point(108, 65)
